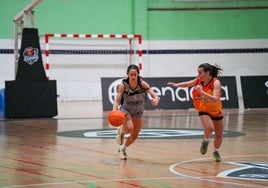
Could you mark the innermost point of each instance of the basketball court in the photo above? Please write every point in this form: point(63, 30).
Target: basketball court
point(77, 148)
point(59, 137)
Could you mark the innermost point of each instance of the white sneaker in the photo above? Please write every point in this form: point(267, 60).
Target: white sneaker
point(122, 154)
point(119, 136)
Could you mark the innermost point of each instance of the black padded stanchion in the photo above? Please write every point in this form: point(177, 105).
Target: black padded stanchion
point(30, 67)
point(30, 99)
point(31, 94)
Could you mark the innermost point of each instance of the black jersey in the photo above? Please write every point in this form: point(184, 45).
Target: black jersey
point(133, 100)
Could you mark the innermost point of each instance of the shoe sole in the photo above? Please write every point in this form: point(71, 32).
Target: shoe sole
point(203, 152)
point(216, 159)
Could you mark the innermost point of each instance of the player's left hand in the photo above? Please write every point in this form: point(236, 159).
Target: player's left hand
point(155, 101)
point(199, 89)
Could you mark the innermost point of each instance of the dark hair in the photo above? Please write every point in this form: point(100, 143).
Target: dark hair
point(214, 70)
point(132, 66)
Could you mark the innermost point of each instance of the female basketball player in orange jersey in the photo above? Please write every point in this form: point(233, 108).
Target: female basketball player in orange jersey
point(130, 99)
point(206, 97)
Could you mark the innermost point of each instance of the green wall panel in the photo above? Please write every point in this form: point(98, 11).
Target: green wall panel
point(8, 10)
point(211, 24)
point(173, 20)
point(98, 16)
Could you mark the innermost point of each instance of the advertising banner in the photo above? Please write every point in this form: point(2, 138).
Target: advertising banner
point(255, 91)
point(171, 98)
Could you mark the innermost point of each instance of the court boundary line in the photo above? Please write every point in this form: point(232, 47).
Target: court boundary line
point(94, 181)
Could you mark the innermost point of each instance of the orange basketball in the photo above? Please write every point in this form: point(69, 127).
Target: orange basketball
point(116, 118)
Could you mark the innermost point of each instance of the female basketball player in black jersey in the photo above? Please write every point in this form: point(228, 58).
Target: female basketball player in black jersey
point(130, 99)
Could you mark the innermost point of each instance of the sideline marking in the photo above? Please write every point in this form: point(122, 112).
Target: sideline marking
point(93, 181)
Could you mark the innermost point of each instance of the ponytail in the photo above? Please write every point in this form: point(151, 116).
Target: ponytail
point(214, 70)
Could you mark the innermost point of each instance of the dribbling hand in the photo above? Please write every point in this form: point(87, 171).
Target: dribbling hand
point(155, 101)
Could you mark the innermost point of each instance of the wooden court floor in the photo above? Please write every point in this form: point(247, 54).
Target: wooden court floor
point(77, 149)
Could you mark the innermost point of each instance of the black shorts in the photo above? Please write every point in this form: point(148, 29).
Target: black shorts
point(214, 118)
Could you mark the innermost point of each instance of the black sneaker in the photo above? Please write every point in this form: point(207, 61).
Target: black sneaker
point(216, 156)
point(204, 147)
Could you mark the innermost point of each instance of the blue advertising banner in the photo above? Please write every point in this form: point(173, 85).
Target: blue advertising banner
point(255, 91)
point(171, 98)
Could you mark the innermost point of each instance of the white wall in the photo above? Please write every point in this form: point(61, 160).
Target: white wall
point(7, 65)
point(78, 76)
point(233, 64)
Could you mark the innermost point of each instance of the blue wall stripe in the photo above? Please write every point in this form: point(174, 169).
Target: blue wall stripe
point(166, 51)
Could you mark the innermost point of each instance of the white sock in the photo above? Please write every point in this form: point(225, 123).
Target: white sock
point(123, 147)
point(207, 139)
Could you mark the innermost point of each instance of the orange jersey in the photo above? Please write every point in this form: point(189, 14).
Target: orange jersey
point(202, 104)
